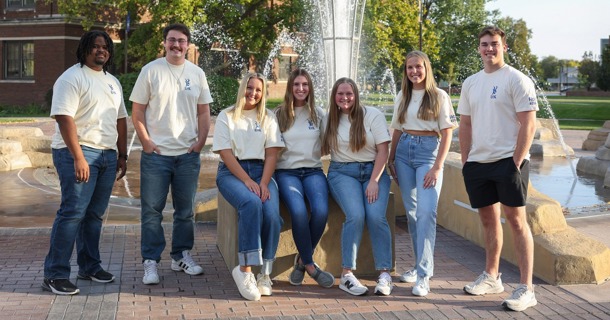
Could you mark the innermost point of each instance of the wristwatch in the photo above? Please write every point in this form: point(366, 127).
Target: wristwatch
point(124, 156)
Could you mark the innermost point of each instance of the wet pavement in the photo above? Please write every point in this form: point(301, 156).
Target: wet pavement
point(29, 206)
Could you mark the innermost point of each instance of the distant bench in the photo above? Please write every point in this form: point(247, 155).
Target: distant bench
point(327, 254)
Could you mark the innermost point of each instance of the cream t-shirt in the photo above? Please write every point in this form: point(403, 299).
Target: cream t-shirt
point(246, 137)
point(303, 142)
point(492, 101)
point(94, 99)
point(446, 118)
point(376, 130)
point(172, 94)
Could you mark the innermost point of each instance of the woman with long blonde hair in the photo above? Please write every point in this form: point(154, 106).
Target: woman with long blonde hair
point(247, 138)
point(423, 121)
point(357, 139)
point(299, 175)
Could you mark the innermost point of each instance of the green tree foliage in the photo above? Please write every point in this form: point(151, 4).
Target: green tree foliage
point(588, 70)
point(252, 25)
point(603, 80)
point(457, 24)
point(517, 39)
point(390, 29)
point(550, 67)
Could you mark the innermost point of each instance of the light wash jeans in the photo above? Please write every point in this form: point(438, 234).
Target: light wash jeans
point(79, 217)
point(297, 186)
point(347, 182)
point(259, 223)
point(157, 174)
point(415, 155)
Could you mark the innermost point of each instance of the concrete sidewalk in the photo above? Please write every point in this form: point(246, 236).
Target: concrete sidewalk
point(214, 294)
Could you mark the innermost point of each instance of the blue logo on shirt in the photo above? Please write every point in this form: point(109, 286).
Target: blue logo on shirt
point(257, 127)
point(187, 84)
point(533, 101)
point(111, 89)
point(493, 92)
point(310, 123)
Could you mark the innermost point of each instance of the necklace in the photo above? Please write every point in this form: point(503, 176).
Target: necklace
point(173, 75)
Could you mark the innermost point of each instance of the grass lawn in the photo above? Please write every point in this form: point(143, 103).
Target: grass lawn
point(577, 113)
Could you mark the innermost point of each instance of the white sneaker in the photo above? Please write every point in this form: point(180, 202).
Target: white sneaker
point(521, 299)
point(264, 283)
point(351, 285)
point(384, 285)
point(150, 272)
point(187, 264)
point(485, 284)
point(422, 287)
point(246, 284)
point(409, 276)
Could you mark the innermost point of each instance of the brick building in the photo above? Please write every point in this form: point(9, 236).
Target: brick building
point(36, 46)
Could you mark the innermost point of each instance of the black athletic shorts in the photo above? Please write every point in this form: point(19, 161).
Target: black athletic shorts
point(500, 181)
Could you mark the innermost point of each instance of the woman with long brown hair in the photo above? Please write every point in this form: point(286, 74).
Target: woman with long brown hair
point(357, 139)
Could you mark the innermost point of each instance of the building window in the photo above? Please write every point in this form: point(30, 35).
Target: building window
point(18, 60)
point(16, 4)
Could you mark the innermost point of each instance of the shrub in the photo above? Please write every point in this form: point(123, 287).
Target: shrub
point(224, 92)
point(128, 80)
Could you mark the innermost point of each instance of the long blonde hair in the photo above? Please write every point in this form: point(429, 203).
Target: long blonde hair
point(357, 134)
point(430, 105)
point(285, 112)
point(241, 98)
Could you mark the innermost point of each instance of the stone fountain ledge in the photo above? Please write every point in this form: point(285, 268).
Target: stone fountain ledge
point(599, 164)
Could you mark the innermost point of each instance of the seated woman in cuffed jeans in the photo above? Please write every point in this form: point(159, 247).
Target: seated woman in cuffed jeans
point(300, 177)
point(247, 138)
point(357, 139)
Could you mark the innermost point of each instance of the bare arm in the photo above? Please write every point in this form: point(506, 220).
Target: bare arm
point(465, 135)
point(203, 127)
point(138, 116)
point(121, 143)
point(372, 189)
point(443, 148)
point(525, 137)
point(395, 137)
point(67, 128)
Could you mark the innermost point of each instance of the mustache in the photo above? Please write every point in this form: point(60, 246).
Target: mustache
point(175, 48)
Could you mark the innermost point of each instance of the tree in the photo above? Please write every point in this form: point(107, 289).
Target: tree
point(390, 30)
point(550, 67)
point(588, 70)
point(456, 24)
point(517, 39)
point(603, 80)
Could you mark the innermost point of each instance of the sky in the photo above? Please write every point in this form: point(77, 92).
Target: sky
point(561, 28)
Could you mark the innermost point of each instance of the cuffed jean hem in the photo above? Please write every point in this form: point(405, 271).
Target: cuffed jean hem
point(267, 266)
point(251, 258)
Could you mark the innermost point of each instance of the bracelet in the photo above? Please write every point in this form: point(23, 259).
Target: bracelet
point(123, 156)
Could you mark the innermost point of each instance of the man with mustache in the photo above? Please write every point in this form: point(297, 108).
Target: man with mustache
point(91, 125)
point(171, 116)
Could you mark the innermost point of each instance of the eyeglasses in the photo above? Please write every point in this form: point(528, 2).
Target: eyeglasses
point(174, 40)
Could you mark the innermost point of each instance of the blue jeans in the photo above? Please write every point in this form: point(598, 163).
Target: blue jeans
point(79, 217)
point(415, 155)
point(296, 185)
point(259, 223)
point(347, 182)
point(157, 174)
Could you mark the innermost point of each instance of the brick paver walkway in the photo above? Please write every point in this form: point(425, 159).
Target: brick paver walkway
point(214, 295)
